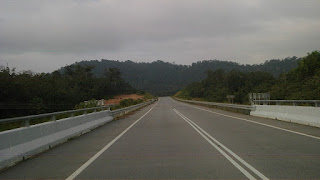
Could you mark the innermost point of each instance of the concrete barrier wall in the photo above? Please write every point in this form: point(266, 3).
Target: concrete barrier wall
point(297, 114)
point(244, 109)
point(21, 143)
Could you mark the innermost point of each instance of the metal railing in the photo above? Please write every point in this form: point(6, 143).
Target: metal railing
point(236, 106)
point(71, 113)
point(125, 110)
point(315, 103)
point(26, 119)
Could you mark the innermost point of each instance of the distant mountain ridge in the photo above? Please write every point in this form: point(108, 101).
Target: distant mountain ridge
point(164, 78)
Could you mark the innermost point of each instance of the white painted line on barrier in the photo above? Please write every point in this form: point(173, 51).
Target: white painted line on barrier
point(238, 166)
point(85, 165)
point(275, 127)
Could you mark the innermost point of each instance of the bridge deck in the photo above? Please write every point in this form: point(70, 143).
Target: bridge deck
point(175, 140)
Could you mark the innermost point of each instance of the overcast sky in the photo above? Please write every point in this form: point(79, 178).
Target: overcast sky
point(43, 35)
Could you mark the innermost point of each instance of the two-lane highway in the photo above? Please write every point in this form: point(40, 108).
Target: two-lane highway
point(174, 140)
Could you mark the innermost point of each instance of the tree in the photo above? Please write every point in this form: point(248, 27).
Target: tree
point(113, 75)
point(26, 93)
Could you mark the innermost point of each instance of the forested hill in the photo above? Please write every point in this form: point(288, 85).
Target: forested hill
point(163, 78)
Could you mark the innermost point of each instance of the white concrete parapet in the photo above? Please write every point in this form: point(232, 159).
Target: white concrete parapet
point(297, 114)
point(21, 143)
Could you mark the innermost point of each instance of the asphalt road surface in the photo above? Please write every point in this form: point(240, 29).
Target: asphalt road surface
point(174, 140)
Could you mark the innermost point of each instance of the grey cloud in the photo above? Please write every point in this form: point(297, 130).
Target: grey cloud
point(183, 31)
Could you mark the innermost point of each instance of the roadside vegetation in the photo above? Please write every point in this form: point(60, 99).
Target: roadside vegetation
point(83, 105)
point(123, 103)
point(27, 93)
point(301, 83)
point(130, 102)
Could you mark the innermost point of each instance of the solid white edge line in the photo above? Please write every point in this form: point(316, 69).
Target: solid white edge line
point(85, 165)
point(238, 166)
point(275, 127)
point(231, 152)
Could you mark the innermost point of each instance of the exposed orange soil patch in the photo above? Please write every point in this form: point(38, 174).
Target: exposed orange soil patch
point(117, 99)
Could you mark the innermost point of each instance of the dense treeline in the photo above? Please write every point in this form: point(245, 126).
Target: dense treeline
point(220, 83)
point(163, 78)
point(302, 83)
point(28, 93)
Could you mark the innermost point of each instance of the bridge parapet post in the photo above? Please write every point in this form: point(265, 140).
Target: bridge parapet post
point(53, 118)
point(26, 123)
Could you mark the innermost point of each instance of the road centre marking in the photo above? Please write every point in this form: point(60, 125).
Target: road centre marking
point(216, 145)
